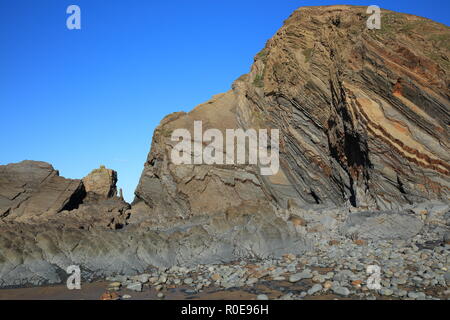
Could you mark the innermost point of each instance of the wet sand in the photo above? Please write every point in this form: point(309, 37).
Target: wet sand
point(273, 289)
point(93, 291)
point(89, 291)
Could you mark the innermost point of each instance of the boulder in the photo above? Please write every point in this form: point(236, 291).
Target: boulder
point(382, 225)
point(101, 183)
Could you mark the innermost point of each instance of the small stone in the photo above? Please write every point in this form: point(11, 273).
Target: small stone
point(327, 285)
point(113, 289)
point(160, 295)
point(447, 238)
point(386, 292)
point(402, 293)
point(287, 296)
point(329, 275)
point(162, 279)
point(290, 268)
point(423, 256)
point(416, 295)
point(360, 242)
point(115, 284)
point(109, 296)
point(126, 296)
point(251, 281)
point(447, 277)
point(357, 283)
point(182, 270)
point(315, 288)
point(297, 221)
point(216, 277)
point(153, 279)
point(342, 291)
point(188, 281)
point(136, 286)
point(142, 278)
point(262, 297)
point(318, 278)
point(288, 257)
point(117, 278)
point(300, 276)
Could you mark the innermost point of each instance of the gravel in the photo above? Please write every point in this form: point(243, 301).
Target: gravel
point(337, 264)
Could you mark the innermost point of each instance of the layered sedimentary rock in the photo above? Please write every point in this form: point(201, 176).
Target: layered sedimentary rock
point(364, 146)
point(32, 192)
point(31, 189)
point(363, 116)
point(39, 254)
point(90, 227)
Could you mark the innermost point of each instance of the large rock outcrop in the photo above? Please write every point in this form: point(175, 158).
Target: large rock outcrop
point(101, 183)
point(363, 118)
point(364, 148)
point(50, 222)
point(31, 189)
point(33, 192)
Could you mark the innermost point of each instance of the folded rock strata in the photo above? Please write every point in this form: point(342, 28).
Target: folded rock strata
point(364, 148)
point(101, 183)
point(363, 116)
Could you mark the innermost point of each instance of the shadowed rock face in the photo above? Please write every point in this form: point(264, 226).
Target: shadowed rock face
point(363, 116)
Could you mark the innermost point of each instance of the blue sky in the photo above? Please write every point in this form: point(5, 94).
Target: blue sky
point(82, 98)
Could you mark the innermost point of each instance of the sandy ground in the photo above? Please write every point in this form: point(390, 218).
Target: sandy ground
point(93, 291)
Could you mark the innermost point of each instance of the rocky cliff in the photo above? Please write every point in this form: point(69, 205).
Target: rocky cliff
point(363, 118)
point(364, 147)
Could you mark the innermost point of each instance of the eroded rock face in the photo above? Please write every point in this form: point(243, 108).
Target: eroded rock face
point(33, 189)
point(39, 254)
point(46, 216)
point(101, 183)
point(363, 116)
point(32, 192)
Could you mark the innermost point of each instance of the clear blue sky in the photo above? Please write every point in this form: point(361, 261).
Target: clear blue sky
point(78, 99)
